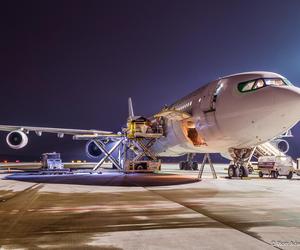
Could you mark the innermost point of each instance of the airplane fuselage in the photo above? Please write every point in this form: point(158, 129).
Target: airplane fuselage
point(237, 111)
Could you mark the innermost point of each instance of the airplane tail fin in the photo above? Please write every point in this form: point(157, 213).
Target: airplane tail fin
point(130, 108)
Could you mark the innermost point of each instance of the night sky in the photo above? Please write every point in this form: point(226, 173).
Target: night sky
point(74, 63)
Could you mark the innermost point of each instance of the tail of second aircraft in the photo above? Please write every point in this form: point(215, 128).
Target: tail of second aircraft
point(130, 109)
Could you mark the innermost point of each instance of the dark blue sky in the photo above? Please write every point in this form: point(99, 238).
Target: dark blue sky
point(74, 63)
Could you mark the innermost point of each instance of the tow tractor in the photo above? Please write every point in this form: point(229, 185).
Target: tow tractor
point(142, 166)
point(52, 164)
point(275, 166)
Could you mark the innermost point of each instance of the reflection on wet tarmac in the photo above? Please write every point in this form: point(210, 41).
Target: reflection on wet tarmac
point(107, 179)
point(211, 214)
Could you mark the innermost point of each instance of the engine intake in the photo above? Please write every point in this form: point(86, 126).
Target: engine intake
point(282, 145)
point(17, 139)
point(92, 150)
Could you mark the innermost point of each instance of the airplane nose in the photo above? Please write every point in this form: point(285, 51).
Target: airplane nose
point(286, 101)
point(259, 116)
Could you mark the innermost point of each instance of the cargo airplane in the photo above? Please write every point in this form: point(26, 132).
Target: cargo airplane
point(230, 116)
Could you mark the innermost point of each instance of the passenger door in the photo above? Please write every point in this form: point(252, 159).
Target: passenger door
point(209, 96)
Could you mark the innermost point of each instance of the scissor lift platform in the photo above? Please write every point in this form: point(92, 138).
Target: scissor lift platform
point(129, 150)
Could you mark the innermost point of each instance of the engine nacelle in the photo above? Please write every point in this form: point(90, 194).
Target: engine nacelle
point(92, 150)
point(17, 139)
point(282, 145)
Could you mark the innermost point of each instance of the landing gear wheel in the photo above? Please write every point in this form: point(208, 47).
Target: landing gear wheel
point(244, 172)
point(187, 165)
point(290, 175)
point(274, 174)
point(237, 172)
point(139, 167)
point(181, 165)
point(233, 171)
point(195, 165)
point(250, 170)
point(260, 174)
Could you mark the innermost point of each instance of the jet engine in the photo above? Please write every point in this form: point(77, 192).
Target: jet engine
point(17, 139)
point(282, 145)
point(92, 150)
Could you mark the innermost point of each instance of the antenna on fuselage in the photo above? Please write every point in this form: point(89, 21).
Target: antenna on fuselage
point(130, 109)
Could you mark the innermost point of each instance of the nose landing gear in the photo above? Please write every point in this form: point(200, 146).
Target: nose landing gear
point(240, 159)
point(233, 171)
point(244, 172)
point(237, 171)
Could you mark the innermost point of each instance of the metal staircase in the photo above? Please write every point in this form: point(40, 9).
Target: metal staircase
point(268, 149)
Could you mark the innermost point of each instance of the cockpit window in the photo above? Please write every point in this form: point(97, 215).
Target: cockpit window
point(248, 86)
point(287, 82)
point(276, 82)
point(260, 83)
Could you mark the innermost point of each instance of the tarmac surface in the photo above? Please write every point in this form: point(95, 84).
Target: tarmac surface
point(171, 210)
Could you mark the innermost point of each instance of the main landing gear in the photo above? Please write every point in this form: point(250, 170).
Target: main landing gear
point(189, 164)
point(240, 161)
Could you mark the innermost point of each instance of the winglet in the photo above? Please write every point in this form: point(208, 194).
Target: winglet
point(130, 108)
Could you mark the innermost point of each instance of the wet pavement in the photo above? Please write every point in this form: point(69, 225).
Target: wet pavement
point(62, 212)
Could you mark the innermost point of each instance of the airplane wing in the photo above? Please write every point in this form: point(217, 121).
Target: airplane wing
point(58, 131)
point(173, 114)
point(24, 165)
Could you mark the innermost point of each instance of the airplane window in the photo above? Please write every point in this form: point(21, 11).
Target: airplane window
point(259, 84)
